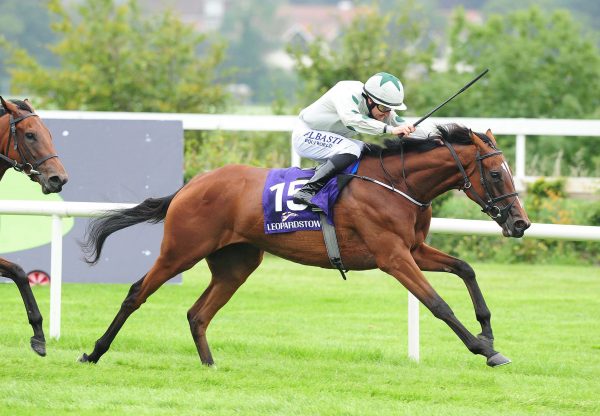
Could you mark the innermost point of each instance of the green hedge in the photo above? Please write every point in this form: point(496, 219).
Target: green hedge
point(545, 202)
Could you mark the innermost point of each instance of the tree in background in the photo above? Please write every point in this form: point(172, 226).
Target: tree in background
point(26, 23)
point(541, 66)
point(251, 29)
point(113, 58)
point(393, 40)
point(585, 11)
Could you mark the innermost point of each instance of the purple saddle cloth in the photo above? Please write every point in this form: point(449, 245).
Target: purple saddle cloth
point(282, 215)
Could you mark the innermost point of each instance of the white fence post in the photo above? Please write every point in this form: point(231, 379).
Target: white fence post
point(520, 162)
point(55, 276)
point(296, 160)
point(413, 327)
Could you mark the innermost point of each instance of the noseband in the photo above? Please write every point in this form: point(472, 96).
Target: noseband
point(489, 204)
point(27, 167)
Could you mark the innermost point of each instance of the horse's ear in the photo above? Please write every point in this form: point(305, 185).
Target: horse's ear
point(476, 139)
point(4, 103)
point(490, 136)
point(29, 104)
point(8, 106)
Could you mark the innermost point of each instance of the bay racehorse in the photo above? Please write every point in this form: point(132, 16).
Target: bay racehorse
point(383, 224)
point(26, 145)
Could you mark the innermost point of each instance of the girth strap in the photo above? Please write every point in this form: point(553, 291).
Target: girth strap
point(331, 243)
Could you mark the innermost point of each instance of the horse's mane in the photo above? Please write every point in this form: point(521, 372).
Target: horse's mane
point(19, 103)
point(451, 133)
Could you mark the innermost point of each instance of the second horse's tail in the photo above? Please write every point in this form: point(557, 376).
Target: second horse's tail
point(152, 210)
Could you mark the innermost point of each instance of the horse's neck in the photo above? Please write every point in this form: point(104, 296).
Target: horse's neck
point(428, 174)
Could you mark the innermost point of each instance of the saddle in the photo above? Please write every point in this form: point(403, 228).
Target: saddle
point(282, 215)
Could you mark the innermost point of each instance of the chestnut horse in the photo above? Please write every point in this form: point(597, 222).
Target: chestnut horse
point(26, 145)
point(382, 218)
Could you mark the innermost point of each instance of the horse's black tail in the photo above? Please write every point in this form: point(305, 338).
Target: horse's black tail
point(152, 210)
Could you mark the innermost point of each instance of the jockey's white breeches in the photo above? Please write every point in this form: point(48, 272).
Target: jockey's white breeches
point(321, 145)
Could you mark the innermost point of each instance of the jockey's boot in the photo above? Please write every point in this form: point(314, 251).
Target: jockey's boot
point(322, 175)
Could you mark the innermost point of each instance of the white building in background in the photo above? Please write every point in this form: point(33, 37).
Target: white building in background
point(303, 23)
point(204, 15)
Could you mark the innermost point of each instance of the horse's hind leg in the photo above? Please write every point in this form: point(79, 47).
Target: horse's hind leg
point(16, 273)
point(230, 267)
point(431, 259)
point(168, 264)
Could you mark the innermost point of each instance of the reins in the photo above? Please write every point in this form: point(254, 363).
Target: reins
point(391, 188)
point(27, 167)
point(385, 171)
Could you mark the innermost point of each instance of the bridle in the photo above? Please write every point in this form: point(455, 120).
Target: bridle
point(489, 204)
point(27, 167)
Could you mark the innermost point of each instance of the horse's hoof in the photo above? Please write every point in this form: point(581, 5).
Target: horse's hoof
point(39, 346)
point(497, 360)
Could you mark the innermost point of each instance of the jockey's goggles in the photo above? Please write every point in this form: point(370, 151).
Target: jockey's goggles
point(383, 108)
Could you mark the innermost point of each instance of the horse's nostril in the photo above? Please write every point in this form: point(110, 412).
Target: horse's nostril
point(57, 181)
point(521, 225)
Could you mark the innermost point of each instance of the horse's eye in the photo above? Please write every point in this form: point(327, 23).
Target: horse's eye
point(30, 136)
point(495, 174)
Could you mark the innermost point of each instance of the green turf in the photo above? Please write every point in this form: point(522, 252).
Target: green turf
point(300, 341)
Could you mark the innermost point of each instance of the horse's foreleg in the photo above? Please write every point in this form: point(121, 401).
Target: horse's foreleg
point(16, 273)
point(431, 259)
point(402, 266)
point(230, 267)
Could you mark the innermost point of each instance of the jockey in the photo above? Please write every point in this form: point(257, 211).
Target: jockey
point(325, 128)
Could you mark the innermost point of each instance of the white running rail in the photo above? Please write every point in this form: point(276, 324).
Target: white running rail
point(519, 127)
point(59, 209)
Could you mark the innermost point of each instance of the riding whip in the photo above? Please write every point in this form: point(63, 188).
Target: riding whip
point(451, 98)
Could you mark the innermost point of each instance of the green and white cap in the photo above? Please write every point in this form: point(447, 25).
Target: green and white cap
point(386, 89)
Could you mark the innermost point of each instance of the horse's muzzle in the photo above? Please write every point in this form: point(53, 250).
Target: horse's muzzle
point(53, 184)
point(517, 229)
point(520, 227)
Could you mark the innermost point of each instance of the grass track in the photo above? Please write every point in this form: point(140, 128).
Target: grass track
point(299, 341)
